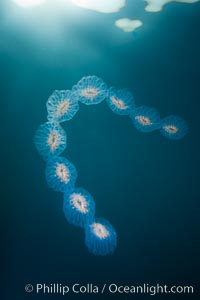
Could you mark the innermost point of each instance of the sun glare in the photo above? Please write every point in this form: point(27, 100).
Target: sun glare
point(29, 3)
point(103, 6)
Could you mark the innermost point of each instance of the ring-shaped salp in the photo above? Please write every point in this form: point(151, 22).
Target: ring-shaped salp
point(62, 106)
point(50, 140)
point(121, 102)
point(173, 127)
point(145, 119)
point(90, 90)
point(79, 207)
point(60, 174)
point(100, 237)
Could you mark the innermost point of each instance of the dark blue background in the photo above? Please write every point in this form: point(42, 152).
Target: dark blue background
point(145, 185)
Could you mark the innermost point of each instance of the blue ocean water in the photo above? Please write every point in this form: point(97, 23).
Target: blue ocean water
point(145, 185)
